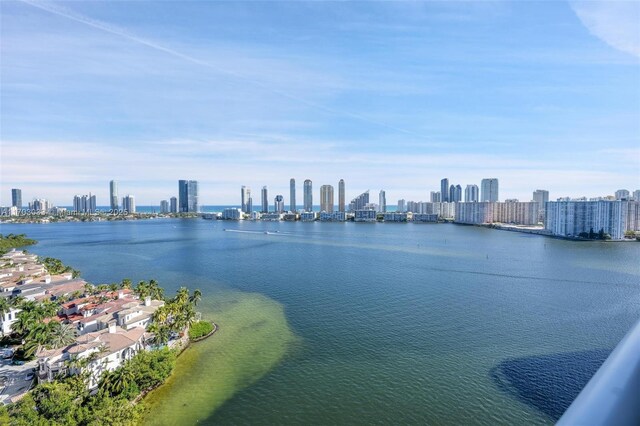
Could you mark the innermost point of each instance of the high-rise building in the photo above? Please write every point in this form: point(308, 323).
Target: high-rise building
point(250, 205)
point(341, 196)
point(455, 193)
point(541, 197)
point(435, 196)
point(129, 204)
point(188, 196)
point(622, 194)
point(401, 206)
point(245, 194)
point(489, 190)
point(278, 204)
point(360, 202)
point(444, 190)
point(84, 204)
point(113, 195)
point(636, 195)
point(16, 198)
point(582, 218)
point(382, 201)
point(471, 194)
point(164, 206)
point(308, 196)
point(265, 200)
point(326, 198)
point(173, 205)
point(39, 205)
point(292, 195)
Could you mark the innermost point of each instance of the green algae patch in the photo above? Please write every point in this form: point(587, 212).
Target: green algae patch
point(252, 338)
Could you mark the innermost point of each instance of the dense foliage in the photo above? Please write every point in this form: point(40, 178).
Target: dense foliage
point(199, 329)
point(600, 235)
point(10, 241)
point(68, 401)
point(56, 267)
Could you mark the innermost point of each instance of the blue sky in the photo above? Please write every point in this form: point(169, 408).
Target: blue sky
point(386, 95)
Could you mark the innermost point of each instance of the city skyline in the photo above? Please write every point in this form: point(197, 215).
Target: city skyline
point(339, 109)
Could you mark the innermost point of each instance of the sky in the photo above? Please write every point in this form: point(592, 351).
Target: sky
point(385, 95)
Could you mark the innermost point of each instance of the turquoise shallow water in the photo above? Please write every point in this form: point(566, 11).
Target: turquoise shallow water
point(395, 323)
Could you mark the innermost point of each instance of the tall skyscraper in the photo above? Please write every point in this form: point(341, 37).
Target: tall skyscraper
point(326, 198)
point(636, 195)
point(245, 194)
point(188, 196)
point(113, 195)
point(455, 193)
point(292, 195)
point(341, 196)
point(401, 206)
point(471, 194)
point(129, 204)
point(489, 190)
point(173, 205)
point(444, 190)
point(265, 200)
point(164, 206)
point(435, 196)
point(278, 204)
point(308, 196)
point(382, 201)
point(16, 198)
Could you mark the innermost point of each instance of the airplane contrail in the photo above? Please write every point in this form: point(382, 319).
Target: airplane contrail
point(67, 13)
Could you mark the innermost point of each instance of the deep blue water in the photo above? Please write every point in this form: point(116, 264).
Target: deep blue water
point(401, 323)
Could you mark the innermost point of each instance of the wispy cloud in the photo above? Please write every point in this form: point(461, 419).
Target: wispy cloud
point(615, 22)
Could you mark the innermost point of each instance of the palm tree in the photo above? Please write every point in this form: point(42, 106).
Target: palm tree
point(4, 306)
point(196, 297)
point(126, 283)
point(61, 335)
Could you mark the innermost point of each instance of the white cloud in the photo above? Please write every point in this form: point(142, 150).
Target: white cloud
point(615, 22)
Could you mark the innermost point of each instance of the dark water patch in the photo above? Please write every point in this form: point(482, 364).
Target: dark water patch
point(548, 383)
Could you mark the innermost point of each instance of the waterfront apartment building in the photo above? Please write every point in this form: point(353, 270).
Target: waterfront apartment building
point(341, 196)
point(511, 212)
point(173, 205)
point(326, 198)
point(395, 217)
point(435, 197)
point(382, 202)
point(265, 200)
point(164, 207)
point(401, 206)
point(489, 190)
point(231, 214)
point(292, 196)
point(571, 218)
point(333, 216)
point(188, 196)
point(636, 195)
point(444, 190)
point(365, 216)
point(129, 204)
point(16, 198)
point(113, 195)
point(307, 195)
point(424, 217)
point(278, 204)
point(471, 194)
